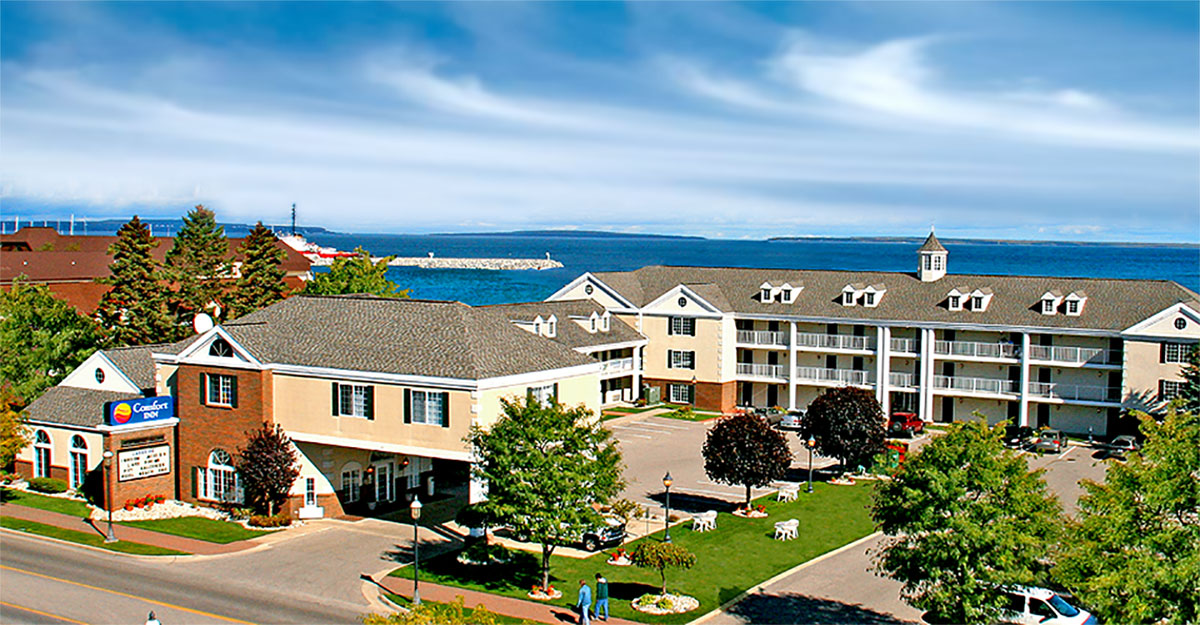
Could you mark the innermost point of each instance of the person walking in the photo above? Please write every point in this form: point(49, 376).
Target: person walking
point(585, 602)
point(601, 596)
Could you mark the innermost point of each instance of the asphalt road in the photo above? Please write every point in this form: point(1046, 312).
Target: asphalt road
point(47, 582)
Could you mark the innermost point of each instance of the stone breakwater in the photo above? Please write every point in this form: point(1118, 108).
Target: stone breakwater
point(495, 264)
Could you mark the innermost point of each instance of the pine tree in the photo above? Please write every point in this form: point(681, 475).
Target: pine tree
point(134, 310)
point(261, 281)
point(197, 266)
point(1189, 395)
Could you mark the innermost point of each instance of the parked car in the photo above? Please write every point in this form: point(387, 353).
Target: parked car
point(905, 424)
point(1018, 436)
point(610, 534)
point(793, 420)
point(1049, 440)
point(1030, 605)
point(1121, 445)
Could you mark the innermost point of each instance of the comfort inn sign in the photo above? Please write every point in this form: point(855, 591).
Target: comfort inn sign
point(138, 411)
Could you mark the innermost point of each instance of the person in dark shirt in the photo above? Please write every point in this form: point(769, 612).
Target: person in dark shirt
point(601, 596)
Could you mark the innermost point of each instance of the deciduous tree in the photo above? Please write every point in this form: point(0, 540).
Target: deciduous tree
point(745, 450)
point(1132, 554)
point(544, 466)
point(134, 310)
point(847, 423)
point(197, 265)
point(41, 339)
point(261, 281)
point(356, 274)
point(652, 554)
point(267, 467)
point(963, 517)
point(1189, 396)
point(14, 436)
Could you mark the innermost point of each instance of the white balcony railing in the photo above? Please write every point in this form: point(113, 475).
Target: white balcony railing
point(762, 337)
point(1075, 355)
point(835, 341)
point(975, 350)
point(905, 346)
point(777, 372)
point(852, 377)
point(1075, 392)
point(902, 380)
point(617, 364)
point(990, 386)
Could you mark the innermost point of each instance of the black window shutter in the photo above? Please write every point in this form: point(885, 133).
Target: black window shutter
point(370, 402)
point(408, 405)
point(445, 410)
point(555, 391)
point(529, 394)
point(203, 389)
point(1162, 389)
point(670, 326)
point(692, 394)
point(1162, 352)
point(669, 364)
point(335, 403)
point(233, 391)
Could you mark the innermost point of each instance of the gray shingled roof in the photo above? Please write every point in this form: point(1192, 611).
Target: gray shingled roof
point(1112, 304)
point(931, 245)
point(569, 333)
point(400, 336)
point(73, 406)
point(136, 363)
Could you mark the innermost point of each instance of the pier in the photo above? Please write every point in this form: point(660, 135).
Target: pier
point(492, 264)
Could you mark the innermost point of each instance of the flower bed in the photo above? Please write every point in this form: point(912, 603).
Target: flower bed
point(549, 593)
point(168, 509)
point(665, 604)
point(620, 557)
point(754, 512)
point(842, 481)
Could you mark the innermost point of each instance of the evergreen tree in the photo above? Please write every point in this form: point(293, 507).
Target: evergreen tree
point(1190, 394)
point(41, 338)
point(357, 274)
point(745, 450)
point(261, 281)
point(197, 264)
point(134, 310)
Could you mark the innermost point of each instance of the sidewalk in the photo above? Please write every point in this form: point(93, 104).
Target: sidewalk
point(131, 534)
point(556, 613)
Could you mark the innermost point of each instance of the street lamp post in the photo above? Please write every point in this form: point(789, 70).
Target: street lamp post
point(811, 444)
point(108, 456)
point(667, 481)
point(416, 517)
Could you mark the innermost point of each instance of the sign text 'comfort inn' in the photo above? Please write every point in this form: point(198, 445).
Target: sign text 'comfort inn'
point(141, 410)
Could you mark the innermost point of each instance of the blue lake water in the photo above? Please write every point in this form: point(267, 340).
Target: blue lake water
point(580, 254)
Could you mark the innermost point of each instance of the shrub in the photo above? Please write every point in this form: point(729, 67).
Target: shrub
point(8, 478)
point(484, 552)
point(47, 485)
point(627, 509)
point(683, 412)
point(278, 520)
point(664, 603)
point(239, 514)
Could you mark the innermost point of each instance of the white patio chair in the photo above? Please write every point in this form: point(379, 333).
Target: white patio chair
point(788, 492)
point(704, 521)
point(787, 530)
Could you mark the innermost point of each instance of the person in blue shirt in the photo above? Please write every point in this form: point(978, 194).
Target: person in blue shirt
point(585, 602)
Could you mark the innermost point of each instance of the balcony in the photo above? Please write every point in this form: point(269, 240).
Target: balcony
point(851, 377)
point(968, 349)
point(1075, 355)
point(616, 366)
point(762, 337)
point(978, 386)
point(774, 372)
point(808, 340)
point(902, 380)
point(1076, 392)
point(905, 346)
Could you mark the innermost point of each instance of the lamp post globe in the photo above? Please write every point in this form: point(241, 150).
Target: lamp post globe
point(108, 456)
point(811, 444)
point(667, 481)
point(415, 508)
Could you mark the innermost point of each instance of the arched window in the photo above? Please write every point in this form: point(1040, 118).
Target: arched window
point(79, 461)
point(351, 482)
point(41, 454)
point(219, 480)
point(220, 348)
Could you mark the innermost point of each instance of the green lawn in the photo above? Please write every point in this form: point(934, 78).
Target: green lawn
point(72, 507)
point(737, 555)
point(697, 415)
point(199, 528)
point(84, 538)
point(501, 619)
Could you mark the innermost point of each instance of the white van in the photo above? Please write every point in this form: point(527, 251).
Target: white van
point(1030, 605)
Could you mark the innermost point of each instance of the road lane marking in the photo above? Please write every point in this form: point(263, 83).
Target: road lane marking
point(669, 426)
point(126, 595)
point(40, 613)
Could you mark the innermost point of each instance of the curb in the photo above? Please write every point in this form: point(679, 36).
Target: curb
point(110, 552)
point(798, 567)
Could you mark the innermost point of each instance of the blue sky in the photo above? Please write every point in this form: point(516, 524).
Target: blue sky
point(1041, 120)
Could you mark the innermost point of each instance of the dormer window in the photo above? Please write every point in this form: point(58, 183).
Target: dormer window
point(954, 302)
point(1050, 302)
point(847, 298)
point(604, 322)
point(537, 328)
point(976, 302)
point(764, 292)
point(1048, 306)
point(872, 295)
point(552, 327)
point(785, 295)
point(868, 299)
point(1072, 307)
point(593, 324)
point(1075, 303)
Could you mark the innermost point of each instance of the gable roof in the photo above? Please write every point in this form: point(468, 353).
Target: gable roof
point(73, 406)
point(135, 362)
point(396, 336)
point(1113, 304)
point(568, 332)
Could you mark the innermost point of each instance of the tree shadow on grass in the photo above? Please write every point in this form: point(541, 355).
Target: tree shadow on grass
point(521, 572)
point(629, 591)
point(681, 502)
point(803, 609)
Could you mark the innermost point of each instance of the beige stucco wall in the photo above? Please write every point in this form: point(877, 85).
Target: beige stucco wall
point(60, 446)
point(572, 391)
point(84, 376)
point(164, 379)
point(1143, 370)
point(706, 343)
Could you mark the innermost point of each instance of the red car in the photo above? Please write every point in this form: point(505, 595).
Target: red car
point(906, 424)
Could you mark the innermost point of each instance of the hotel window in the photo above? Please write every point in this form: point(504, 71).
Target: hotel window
point(552, 329)
point(221, 390)
point(954, 302)
point(682, 393)
point(537, 329)
point(221, 349)
point(785, 295)
point(1175, 352)
point(680, 359)
point(928, 263)
point(937, 263)
point(219, 480)
point(543, 394)
point(351, 482)
point(78, 461)
point(593, 324)
point(682, 326)
point(604, 321)
point(1169, 389)
point(976, 302)
point(353, 400)
point(764, 296)
point(429, 407)
point(868, 299)
point(1072, 307)
point(41, 454)
point(1048, 306)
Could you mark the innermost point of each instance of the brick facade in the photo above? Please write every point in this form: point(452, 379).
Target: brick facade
point(721, 397)
point(24, 468)
point(203, 428)
point(125, 442)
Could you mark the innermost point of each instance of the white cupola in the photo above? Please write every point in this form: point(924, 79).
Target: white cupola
point(932, 265)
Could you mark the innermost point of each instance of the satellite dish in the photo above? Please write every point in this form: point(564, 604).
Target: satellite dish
point(202, 323)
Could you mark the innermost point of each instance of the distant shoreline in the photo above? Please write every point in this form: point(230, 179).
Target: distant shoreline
point(918, 240)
